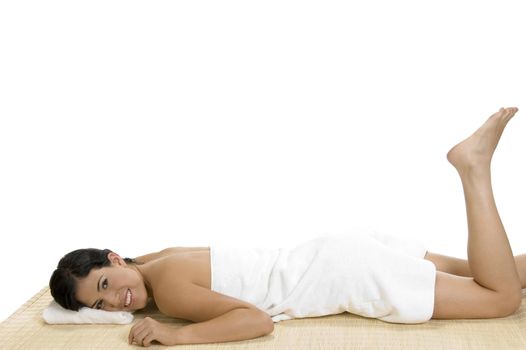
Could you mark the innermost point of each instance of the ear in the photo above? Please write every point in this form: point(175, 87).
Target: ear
point(115, 259)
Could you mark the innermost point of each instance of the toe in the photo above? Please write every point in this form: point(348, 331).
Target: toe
point(510, 112)
point(497, 114)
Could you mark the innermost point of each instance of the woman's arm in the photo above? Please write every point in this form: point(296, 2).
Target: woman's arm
point(218, 317)
point(234, 325)
point(237, 324)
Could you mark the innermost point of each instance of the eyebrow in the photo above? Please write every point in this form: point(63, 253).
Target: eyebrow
point(98, 290)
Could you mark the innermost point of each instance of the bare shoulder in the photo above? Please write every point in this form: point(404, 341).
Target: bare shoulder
point(177, 295)
point(167, 252)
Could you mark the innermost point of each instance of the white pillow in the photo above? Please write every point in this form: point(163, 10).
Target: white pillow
point(56, 314)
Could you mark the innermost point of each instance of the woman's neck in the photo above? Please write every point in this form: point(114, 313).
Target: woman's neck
point(142, 270)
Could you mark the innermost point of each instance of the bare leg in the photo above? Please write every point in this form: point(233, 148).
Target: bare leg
point(495, 288)
point(489, 253)
point(460, 267)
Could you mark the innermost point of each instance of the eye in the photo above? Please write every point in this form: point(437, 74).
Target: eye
point(104, 286)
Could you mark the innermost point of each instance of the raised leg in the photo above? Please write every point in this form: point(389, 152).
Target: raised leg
point(495, 289)
point(460, 267)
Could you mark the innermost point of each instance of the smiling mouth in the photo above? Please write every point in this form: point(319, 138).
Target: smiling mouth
point(128, 300)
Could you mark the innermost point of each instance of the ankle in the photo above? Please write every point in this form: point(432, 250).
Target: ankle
point(474, 168)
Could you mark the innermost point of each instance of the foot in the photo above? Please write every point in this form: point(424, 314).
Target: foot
point(476, 151)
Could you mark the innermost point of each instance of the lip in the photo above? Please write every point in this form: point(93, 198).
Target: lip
point(131, 299)
point(124, 299)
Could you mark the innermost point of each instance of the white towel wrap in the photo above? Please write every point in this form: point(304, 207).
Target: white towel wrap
point(371, 275)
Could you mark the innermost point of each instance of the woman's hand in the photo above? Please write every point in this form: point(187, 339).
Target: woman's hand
point(145, 331)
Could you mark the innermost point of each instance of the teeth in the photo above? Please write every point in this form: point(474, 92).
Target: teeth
point(128, 298)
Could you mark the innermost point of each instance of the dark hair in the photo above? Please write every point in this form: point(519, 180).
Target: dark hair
point(74, 265)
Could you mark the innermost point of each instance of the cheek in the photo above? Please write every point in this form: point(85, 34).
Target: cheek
point(123, 280)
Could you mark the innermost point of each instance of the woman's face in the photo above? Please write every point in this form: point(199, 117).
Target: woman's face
point(113, 288)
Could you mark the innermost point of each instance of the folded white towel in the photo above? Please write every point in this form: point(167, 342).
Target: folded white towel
point(56, 314)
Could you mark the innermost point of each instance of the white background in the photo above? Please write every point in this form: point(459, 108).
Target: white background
point(136, 126)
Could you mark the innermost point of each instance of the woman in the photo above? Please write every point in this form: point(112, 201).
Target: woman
point(187, 282)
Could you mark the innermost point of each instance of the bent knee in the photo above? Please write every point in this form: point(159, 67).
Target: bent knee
point(461, 297)
point(509, 303)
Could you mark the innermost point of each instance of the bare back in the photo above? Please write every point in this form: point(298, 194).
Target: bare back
point(191, 264)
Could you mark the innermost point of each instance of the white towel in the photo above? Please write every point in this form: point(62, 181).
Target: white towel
point(56, 314)
point(375, 276)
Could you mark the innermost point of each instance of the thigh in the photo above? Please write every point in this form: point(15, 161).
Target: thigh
point(462, 297)
point(454, 266)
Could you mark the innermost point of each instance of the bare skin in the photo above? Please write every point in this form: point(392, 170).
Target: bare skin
point(460, 267)
point(494, 290)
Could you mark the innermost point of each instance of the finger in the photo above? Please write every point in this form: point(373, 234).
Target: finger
point(132, 332)
point(148, 340)
point(136, 325)
point(139, 337)
point(139, 327)
point(135, 331)
point(130, 335)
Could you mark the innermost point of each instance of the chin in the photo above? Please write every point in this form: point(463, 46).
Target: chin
point(140, 306)
point(142, 303)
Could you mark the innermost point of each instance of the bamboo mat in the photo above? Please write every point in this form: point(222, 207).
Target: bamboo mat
point(25, 329)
